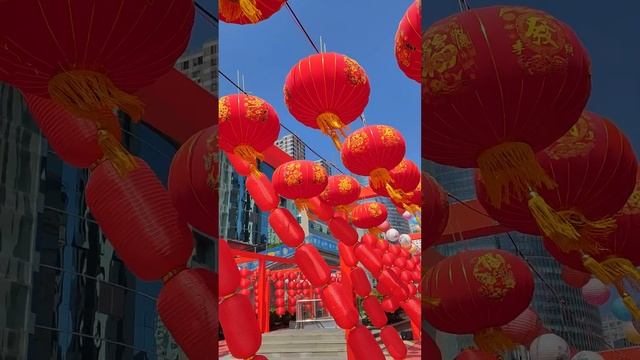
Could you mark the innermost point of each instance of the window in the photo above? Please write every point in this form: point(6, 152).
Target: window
point(111, 300)
point(185, 65)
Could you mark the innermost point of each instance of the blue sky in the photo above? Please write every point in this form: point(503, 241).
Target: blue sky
point(361, 29)
point(609, 33)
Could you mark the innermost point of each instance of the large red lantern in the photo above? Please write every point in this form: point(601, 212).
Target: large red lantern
point(435, 207)
point(595, 169)
point(408, 42)
point(139, 219)
point(374, 151)
point(247, 11)
point(91, 57)
point(327, 91)
point(248, 126)
point(494, 104)
point(405, 178)
point(476, 292)
point(369, 215)
point(193, 180)
point(299, 180)
point(341, 190)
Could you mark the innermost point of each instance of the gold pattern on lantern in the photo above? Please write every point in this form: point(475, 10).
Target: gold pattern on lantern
point(540, 41)
point(449, 58)
point(293, 174)
point(211, 160)
point(224, 113)
point(578, 141)
point(255, 109)
point(388, 135)
point(404, 49)
point(400, 167)
point(344, 185)
point(354, 72)
point(374, 209)
point(494, 275)
point(633, 204)
point(357, 142)
point(287, 94)
point(319, 174)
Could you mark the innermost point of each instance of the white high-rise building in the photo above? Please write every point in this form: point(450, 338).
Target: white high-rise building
point(292, 145)
point(202, 66)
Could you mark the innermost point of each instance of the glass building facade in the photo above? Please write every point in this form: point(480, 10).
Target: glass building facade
point(561, 308)
point(64, 293)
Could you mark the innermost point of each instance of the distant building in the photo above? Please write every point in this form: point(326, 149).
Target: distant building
point(613, 330)
point(292, 145)
point(202, 66)
point(325, 164)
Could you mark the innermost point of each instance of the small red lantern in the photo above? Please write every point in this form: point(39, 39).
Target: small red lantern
point(435, 206)
point(244, 12)
point(476, 292)
point(510, 87)
point(193, 178)
point(248, 126)
point(408, 42)
point(340, 93)
point(374, 151)
point(369, 215)
point(299, 180)
point(405, 178)
point(341, 191)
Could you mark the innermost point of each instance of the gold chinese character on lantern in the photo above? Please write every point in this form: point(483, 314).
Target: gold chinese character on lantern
point(540, 31)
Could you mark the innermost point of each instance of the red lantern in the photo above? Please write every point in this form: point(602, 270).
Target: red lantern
point(574, 278)
point(369, 259)
point(73, 139)
point(374, 311)
point(248, 126)
point(405, 178)
point(343, 231)
point(312, 264)
point(431, 349)
point(320, 209)
point(523, 89)
point(524, 328)
point(340, 92)
point(435, 206)
point(229, 273)
point(389, 304)
point(369, 215)
point(286, 227)
point(393, 343)
point(299, 180)
point(92, 64)
point(244, 12)
point(193, 181)
point(478, 291)
point(262, 192)
point(363, 345)
point(139, 219)
point(187, 307)
point(374, 151)
point(595, 169)
point(335, 298)
point(341, 190)
point(408, 42)
point(240, 327)
point(360, 282)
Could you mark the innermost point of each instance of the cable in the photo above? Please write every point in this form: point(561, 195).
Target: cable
point(284, 127)
point(206, 12)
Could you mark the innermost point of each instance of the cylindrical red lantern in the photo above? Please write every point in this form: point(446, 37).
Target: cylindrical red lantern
point(393, 343)
point(244, 12)
point(523, 89)
point(347, 254)
point(478, 291)
point(373, 150)
point(340, 92)
point(343, 231)
point(187, 307)
point(375, 311)
point(248, 125)
point(193, 181)
point(262, 192)
point(228, 269)
point(240, 327)
point(286, 227)
point(157, 240)
point(408, 44)
point(369, 259)
point(312, 265)
point(363, 345)
point(336, 300)
point(360, 282)
point(524, 328)
point(435, 207)
point(299, 180)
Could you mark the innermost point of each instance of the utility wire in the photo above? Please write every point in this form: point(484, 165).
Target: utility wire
point(206, 12)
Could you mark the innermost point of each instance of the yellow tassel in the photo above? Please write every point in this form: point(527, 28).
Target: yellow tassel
point(113, 150)
point(631, 306)
point(510, 169)
point(430, 302)
point(331, 125)
point(554, 226)
point(590, 230)
point(396, 195)
point(233, 10)
point(303, 206)
point(621, 268)
point(380, 177)
point(493, 341)
point(412, 208)
point(87, 93)
point(595, 268)
point(250, 155)
point(375, 231)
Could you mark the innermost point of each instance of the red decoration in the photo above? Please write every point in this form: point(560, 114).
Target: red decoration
point(299, 180)
point(187, 307)
point(412, 308)
point(360, 282)
point(475, 354)
point(374, 311)
point(347, 255)
point(394, 343)
point(408, 42)
point(523, 89)
point(369, 259)
point(340, 92)
point(286, 227)
point(240, 327)
point(524, 328)
point(320, 209)
point(363, 345)
point(369, 215)
point(431, 349)
point(341, 190)
point(343, 231)
point(312, 265)
point(476, 292)
point(374, 151)
point(335, 298)
point(91, 64)
point(574, 278)
point(405, 177)
point(248, 126)
point(435, 206)
point(389, 304)
point(262, 192)
point(156, 241)
point(229, 273)
point(73, 139)
point(244, 12)
point(193, 180)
